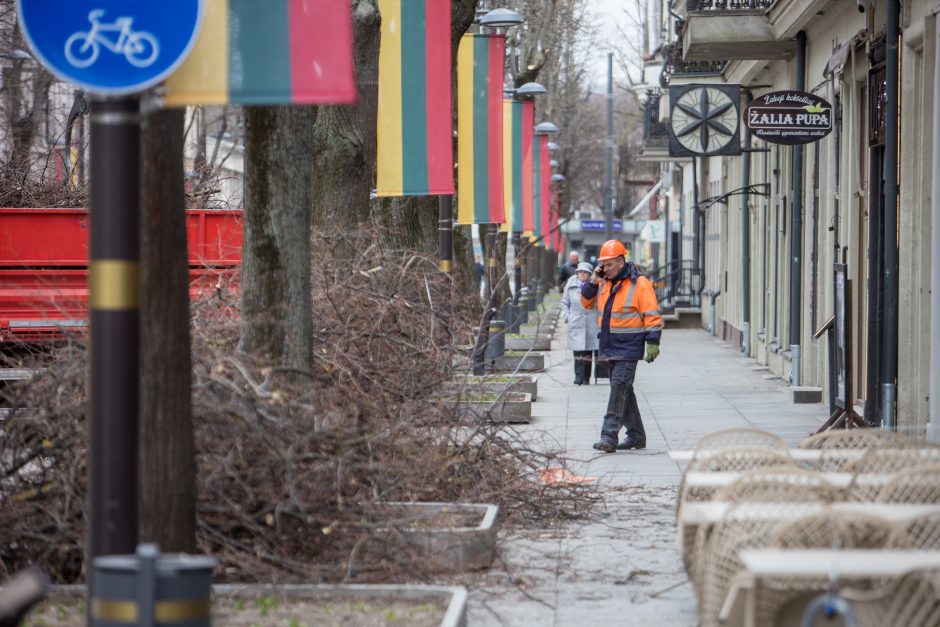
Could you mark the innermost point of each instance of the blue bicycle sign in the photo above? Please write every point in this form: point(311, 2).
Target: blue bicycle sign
point(111, 47)
point(140, 48)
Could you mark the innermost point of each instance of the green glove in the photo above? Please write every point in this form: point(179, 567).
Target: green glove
point(652, 352)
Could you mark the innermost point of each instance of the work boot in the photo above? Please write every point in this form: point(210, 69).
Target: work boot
point(631, 443)
point(605, 446)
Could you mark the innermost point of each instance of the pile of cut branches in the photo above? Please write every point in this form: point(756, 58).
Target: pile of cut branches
point(295, 467)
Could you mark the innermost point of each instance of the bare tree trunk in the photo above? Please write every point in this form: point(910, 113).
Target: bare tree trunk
point(167, 451)
point(275, 310)
point(344, 136)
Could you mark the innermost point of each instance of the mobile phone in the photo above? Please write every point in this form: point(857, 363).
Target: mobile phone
point(600, 272)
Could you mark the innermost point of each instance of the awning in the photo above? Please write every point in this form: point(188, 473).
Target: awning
point(646, 199)
point(840, 55)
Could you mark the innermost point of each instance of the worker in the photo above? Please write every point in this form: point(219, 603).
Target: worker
point(628, 318)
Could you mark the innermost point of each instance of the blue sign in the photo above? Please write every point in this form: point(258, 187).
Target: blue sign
point(600, 225)
point(111, 46)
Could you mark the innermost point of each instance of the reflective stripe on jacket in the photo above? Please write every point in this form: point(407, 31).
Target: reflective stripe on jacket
point(628, 314)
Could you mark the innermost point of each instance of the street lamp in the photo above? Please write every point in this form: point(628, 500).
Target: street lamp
point(558, 178)
point(553, 163)
point(15, 55)
point(552, 146)
point(500, 18)
point(527, 90)
point(546, 128)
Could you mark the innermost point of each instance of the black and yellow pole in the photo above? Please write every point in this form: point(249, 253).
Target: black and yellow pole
point(446, 233)
point(114, 304)
point(517, 265)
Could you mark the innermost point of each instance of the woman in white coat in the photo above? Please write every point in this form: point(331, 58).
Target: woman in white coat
point(582, 324)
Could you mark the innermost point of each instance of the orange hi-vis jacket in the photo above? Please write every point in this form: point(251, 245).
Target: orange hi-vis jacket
point(627, 314)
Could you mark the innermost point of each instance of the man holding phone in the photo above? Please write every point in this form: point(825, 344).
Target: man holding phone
point(628, 318)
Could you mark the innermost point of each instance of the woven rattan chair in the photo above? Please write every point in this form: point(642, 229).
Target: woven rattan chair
point(741, 528)
point(773, 485)
point(887, 461)
point(924, 532)
point(827, 530)
point(729, 438)
point(912, 601)
point(916, 485)
point(855, 438)
point(736, 459)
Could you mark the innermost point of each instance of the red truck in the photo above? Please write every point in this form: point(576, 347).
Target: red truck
point(44, 266)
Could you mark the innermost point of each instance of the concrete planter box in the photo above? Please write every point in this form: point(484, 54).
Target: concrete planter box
point(451, 601)
point(531, 362)
point(513, 407)
point(498, 384)
point(447, 548)
point(528, 342)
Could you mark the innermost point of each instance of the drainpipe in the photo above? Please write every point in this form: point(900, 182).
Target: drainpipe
point(746, 242)
point(889, 364)
point(796, 225)
point(933, 427)
point(696, 268)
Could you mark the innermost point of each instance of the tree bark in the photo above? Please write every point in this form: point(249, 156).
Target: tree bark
point(276, 322)
point(345, 136)
point(167, 505)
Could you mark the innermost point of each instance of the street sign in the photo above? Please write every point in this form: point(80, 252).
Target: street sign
point(789, 117)
point(111, 47)
point(600, 225)
point(703, 120)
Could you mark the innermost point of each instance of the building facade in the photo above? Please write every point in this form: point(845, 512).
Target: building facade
point(766, 230)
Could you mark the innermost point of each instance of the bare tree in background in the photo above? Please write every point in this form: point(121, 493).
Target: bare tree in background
point(25, 91)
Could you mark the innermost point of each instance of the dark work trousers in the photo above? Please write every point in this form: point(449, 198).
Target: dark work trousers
point(582, 365)
point(622, 409)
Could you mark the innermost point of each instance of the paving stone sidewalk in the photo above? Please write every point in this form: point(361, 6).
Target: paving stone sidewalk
point(625, 569)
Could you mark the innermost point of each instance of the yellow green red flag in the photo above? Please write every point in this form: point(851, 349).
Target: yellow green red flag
point(415, 129)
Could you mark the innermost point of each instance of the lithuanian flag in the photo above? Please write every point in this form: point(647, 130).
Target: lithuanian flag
point(538, 215)
point(544, 188)
point(556, 215)
point(512, 165)
point(480, 129)
point(415, 130)
point(270, 52)
point(528, 191)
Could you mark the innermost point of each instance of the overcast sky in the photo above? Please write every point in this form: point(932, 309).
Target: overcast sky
point(607, 14)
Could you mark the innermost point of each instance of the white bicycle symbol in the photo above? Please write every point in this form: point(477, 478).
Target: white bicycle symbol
point(82, 48)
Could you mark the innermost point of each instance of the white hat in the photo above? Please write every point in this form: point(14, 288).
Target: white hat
point(585, 267)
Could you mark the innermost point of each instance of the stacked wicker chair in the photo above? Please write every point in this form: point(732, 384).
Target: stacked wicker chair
point(832, 446)
point(826, 530)
point(777, 504)
point(855, 438)
point(741, 528)
point(912, 601)
point(924, 532)
point(920, 484)
point(730, 450)
point(730, 439)
point(887, 461)
point(772, 485)
point(738, 459)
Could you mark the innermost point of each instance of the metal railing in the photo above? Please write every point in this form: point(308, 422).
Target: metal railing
point(676, 283)
point(730, 5)
point(653, 128)
point(674, 66)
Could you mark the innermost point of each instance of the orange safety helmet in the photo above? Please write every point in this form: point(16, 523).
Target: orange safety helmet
point(612, 249)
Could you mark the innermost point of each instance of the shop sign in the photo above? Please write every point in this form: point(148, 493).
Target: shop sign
point(601, 225)
point(789, 117)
